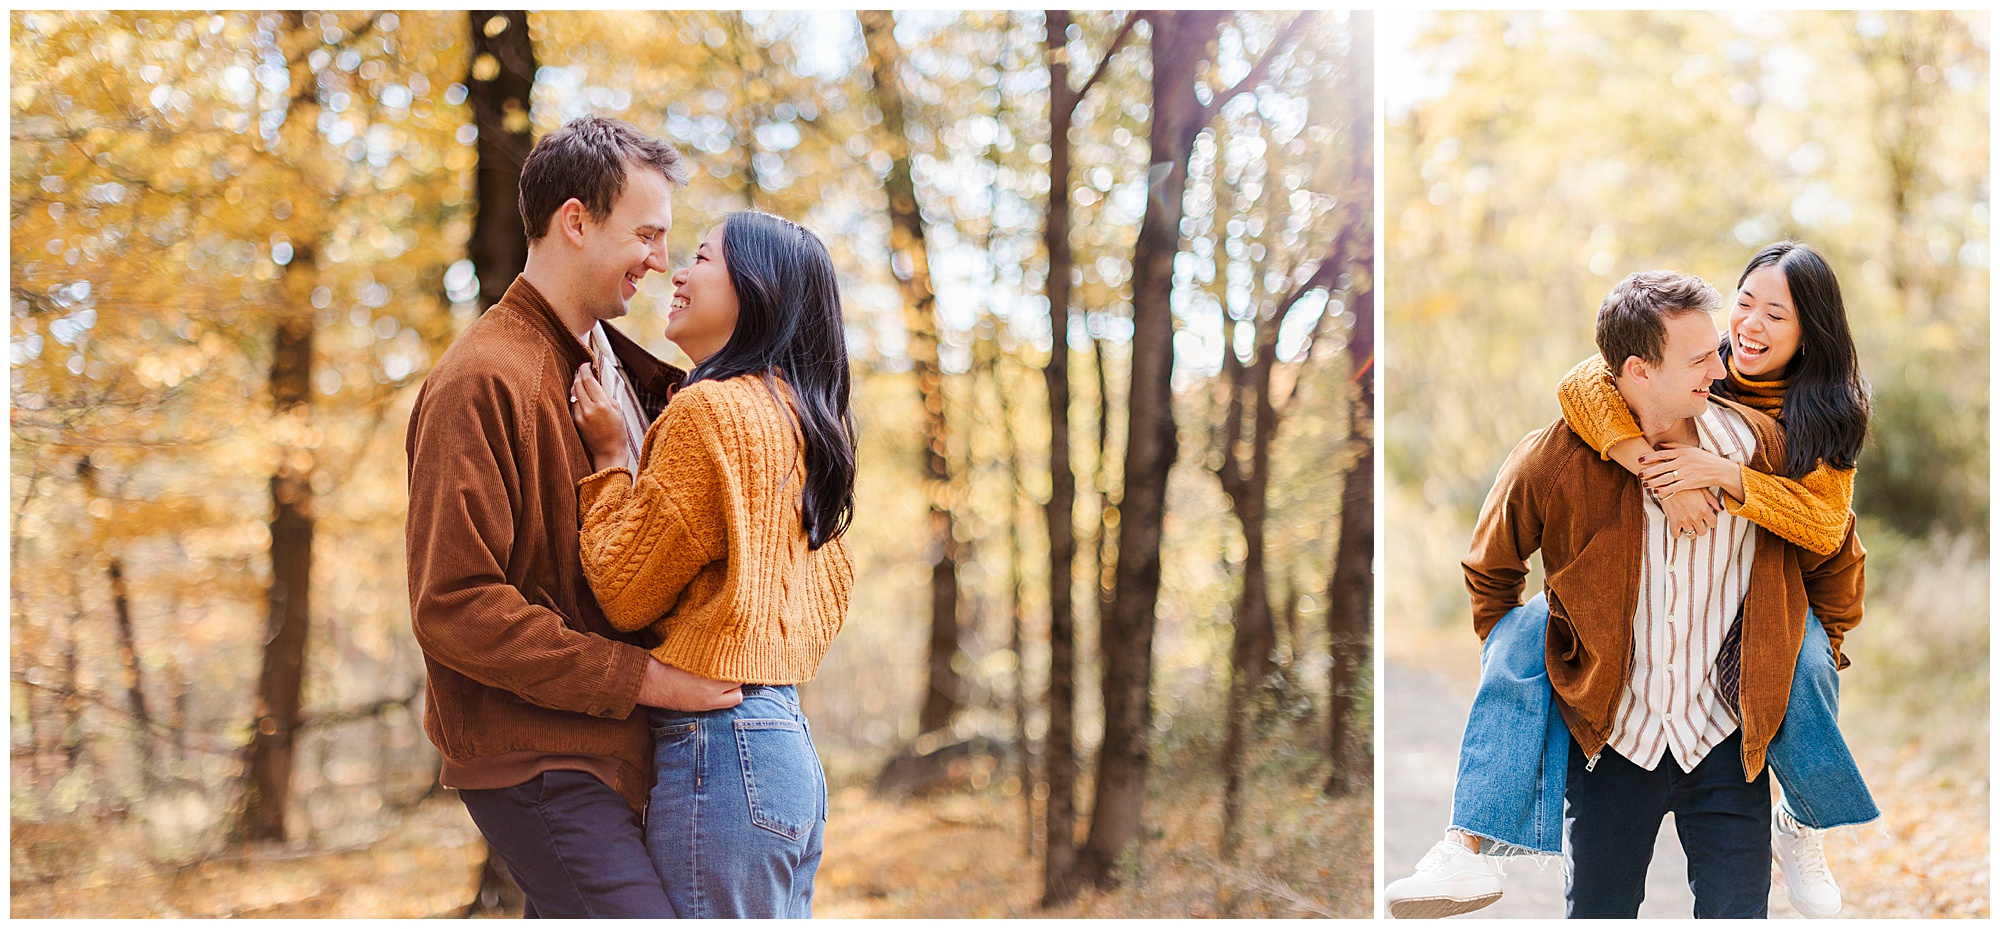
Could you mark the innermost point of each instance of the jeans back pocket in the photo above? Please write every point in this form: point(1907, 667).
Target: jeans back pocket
point(780, 775)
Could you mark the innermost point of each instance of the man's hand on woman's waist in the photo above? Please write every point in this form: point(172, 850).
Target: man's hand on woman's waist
point(671, 688)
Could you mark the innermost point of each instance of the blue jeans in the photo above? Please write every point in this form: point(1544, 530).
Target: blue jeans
point(1816, 774)
point(1512, 763)
point(739, 808)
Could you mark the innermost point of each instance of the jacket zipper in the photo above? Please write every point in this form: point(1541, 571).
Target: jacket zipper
point(1591, 763)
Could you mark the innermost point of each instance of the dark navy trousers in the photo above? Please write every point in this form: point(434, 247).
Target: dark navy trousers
point(574, 845)
point(1612, 814)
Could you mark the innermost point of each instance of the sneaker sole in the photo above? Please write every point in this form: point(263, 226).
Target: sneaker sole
point(1438, 907)
point(1809, 911)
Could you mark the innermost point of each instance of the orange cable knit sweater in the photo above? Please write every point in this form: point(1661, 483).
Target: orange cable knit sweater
point(1811, 512)
point(708, 547)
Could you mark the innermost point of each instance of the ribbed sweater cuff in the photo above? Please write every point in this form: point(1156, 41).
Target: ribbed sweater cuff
point(592, 487)
point(1604, 454)
point(1728, 502)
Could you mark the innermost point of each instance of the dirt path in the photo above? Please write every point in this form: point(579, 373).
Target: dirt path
point(1424, 719)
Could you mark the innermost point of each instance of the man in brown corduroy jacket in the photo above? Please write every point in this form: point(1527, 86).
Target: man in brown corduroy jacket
point(1671, 657)
point(531, 693)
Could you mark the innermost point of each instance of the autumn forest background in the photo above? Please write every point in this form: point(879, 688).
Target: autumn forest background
point(1109, 303)
point(1533, 160)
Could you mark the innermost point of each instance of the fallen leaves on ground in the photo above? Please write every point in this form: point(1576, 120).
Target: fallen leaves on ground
point(957, 855)
point(963, 856)
point(1930, 855)
point(429, 867)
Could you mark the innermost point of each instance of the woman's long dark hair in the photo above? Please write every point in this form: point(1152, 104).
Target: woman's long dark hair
point(788, 325)
point(1826, 400)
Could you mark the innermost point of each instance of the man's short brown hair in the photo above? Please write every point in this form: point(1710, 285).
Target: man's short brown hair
point(1632, 320)
point(585, 160)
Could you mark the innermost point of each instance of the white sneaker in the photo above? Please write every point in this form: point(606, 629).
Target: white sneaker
point(1807, 880)
point(1451, 879)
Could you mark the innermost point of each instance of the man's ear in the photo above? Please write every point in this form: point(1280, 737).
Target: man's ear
point(1634, 366)
point(568, 221)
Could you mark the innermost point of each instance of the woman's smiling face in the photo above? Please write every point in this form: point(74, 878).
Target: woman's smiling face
point(1764, 326)
point(702, 316)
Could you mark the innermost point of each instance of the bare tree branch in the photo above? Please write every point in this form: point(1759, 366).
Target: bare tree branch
point(1323, 277)
point(1104, 63)
point(1262, 67)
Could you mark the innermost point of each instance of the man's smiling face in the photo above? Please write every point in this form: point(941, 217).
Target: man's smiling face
point(628, 244)
point(1689, 363)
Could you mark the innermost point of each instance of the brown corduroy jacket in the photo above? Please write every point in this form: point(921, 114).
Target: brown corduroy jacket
point(524, 672)
point(1586, 517)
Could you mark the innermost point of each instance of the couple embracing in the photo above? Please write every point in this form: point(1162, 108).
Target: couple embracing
point(1692, 509)
point(619, 570)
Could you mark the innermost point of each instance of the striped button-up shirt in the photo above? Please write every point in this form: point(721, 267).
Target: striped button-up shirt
point(1691, 591)
point(604, 363)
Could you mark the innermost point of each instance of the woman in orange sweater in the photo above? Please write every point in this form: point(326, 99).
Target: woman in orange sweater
point(723, 541)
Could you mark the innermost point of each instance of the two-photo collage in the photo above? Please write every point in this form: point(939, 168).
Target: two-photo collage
point(973, 464)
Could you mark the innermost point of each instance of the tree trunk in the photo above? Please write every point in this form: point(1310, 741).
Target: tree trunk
point(1287, 619)
point(128, 642)
point(749, 111)
point(1060, 768)
point(74, 732)
point(1247, 487)
point(128, 658)
point(1104, 545)
point(1017, 584)
point(289, 621)
point(1016, 587)
point(499, 89)
point(1180, 43)
point(944, 689)
point(1350, 591)
point(183, 695)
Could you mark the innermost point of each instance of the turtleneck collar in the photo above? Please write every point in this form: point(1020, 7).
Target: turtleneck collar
point(1766, 397)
